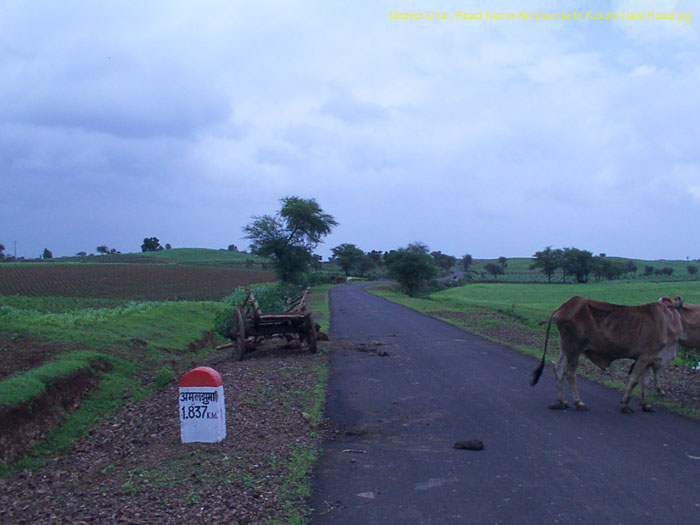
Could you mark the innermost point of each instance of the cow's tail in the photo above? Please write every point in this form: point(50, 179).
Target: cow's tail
point(538, 371)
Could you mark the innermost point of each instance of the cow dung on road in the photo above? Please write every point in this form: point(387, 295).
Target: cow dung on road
point(470, 444)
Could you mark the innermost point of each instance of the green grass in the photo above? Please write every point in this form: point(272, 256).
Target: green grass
point(58, 305)
point(320, 305)
point(531, 304)
point(296, 487)
point(187, 256)
point(160, 323)
point(534, 302)
point(22, 388)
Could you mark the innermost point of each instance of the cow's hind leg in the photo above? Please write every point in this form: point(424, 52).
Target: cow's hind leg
point(560, 403)
point(637, 373)
point(646, 377)
point(571, 378)
point(655, 368)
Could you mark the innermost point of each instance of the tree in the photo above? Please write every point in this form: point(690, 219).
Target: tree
point(47, 254)
point(316, 261)
point(348, 256)
point(467, 261)
point(151, 244)
point(365, 265)
point(577, 262)
point(548, 261)
point(605, 268)
point(377, 257)
point(2, 252)
point(290, 236)
point(102, 249)
point(494, 269)
point(412, 267)
point(168, 246)
point(503, 262)
point(443, 261)
point(232, 248)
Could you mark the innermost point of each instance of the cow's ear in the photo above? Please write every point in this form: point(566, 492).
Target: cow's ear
point(679, 302)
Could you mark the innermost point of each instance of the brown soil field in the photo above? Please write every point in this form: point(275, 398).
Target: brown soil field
point(139, 282)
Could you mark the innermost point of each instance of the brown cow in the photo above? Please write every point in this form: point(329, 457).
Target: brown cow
point(690, 316)
point(690, 336)
point(604, 332)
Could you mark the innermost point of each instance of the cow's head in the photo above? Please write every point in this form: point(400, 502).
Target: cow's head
point(679, 301)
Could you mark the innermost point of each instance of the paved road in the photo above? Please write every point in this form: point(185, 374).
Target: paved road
point(398, 416)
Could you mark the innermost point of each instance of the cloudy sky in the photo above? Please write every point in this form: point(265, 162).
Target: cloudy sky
point(182, 119)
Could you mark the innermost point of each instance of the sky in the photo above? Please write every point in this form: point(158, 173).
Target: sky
point(182, 120)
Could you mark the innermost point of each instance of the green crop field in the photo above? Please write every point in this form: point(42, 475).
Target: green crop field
point(532, 303)
point(187, 256)
point(535, 302)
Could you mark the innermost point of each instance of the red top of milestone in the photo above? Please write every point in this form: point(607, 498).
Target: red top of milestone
point(201, 376)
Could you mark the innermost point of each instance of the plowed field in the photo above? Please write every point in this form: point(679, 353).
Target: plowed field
point(125, 281)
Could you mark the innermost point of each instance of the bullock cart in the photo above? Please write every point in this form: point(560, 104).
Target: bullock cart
point(251, 325)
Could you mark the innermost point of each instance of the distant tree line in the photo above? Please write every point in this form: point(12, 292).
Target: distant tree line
point(581, 264)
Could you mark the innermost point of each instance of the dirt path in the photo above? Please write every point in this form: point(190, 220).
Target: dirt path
point(405, 387)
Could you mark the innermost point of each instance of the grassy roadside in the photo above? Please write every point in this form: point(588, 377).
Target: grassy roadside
point(297, 483)
point(512, 315)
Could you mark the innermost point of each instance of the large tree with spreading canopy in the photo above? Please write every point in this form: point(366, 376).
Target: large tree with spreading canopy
point(290, 236)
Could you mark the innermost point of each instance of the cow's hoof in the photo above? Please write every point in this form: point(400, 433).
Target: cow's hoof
point(647, 408)
point(559, 405)
point(626, 410)
point(581, 407)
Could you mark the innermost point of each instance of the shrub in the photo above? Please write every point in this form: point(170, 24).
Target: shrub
point(270, 297)
point(164, 376)
point(411, 267)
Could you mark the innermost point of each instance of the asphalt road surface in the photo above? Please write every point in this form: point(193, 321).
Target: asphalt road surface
point(405, 387)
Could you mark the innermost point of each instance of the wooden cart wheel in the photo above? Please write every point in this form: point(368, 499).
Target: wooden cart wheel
point(311, 334)
point(239, 333)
